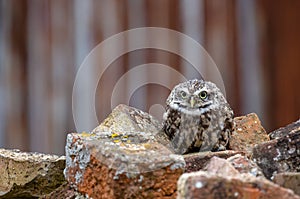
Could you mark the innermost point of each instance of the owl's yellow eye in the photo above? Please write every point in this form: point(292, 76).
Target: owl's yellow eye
point(203, 94)
point(183, 94)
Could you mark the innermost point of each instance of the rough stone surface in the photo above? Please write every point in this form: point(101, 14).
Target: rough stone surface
point(197, 161)
point(220, 179)
point(245, 165)
point(281, 132)
point(124, 118)
point(129, 156)
point(288, 180)
point(279, 155)
point(121, 165)
point(29, 175)
point(220, 166)
point(248, 132)
point(65, 191)
point(208, 185)
point(233, 165)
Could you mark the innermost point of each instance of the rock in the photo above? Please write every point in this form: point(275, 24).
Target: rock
point(220, 166)
point(279, 155)
point(124, 118)
point(248, 132)
point(219, 179)
point(209, 185)
point(288, 180)
point(232, 166)
point(65, 191)
point(29, 175)
point(197, 161)
point(245, 165)
point(281, 132)
point(121, 165)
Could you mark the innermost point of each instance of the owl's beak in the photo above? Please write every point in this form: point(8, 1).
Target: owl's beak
point(192, 102)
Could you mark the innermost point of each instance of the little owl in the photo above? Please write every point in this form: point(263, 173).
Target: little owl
point(197, 118)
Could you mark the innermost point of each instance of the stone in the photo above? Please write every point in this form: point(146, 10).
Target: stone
point(197, 161)
point(124, 118)
point(65, 191)
point(203, 184)
point(220, 166)
point(29, 175)
point(281, 132)
point(279, 155)
point(244, 165)
point(220, 179)
point(288, 180)
point(247, 133)
point(236, 164)
point(121, 165)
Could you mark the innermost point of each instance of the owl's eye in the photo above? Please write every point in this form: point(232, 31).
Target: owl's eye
point(203, 94)
point(183, 94)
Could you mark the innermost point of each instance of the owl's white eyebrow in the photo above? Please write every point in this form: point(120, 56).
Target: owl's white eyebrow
point(185, 90)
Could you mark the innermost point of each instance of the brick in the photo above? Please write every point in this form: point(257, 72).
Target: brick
point(247, 133)
point(197, 161)
point(220, 166)
point(121, 165)
point(245, 165)
point(208, 185)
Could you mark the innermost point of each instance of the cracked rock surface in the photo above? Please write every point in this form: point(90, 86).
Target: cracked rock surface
point(279, 155)
point(247, 133)
point(129, 156)
point(220, 179)
point(121, 165)
point(29, 175)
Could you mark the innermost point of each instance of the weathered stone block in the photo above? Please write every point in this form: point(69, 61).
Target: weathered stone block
point(279, 155)
point(248, 132)
point(281, 132)
point(220, 166)
point(197, 161)
point(207, 185)
point(245, 165)
point(288, 180)
point(124, 118)
point(29, 175)
point(121, 165)
point(221, 180)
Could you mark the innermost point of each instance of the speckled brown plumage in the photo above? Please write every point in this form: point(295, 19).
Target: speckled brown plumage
point(197, 117)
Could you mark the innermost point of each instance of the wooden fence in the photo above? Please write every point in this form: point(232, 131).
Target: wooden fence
point(255, 44)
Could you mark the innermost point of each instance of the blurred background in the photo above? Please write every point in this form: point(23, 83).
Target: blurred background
point(255, 44)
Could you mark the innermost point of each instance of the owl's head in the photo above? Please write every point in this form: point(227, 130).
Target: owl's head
point(195, 97)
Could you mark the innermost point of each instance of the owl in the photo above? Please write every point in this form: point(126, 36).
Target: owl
point(197, 118)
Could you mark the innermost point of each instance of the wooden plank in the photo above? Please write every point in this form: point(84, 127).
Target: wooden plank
point(220, 42)
point(62, 68)
point(281, 57)
point(14, 75)
point(39, 78)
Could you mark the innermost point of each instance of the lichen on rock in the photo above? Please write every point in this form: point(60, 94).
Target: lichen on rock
point(121, 163)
